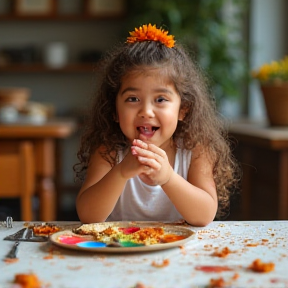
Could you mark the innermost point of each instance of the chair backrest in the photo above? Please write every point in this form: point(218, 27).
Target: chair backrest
point(17, 174)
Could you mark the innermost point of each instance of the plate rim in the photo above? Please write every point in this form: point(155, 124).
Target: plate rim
point(154, 247)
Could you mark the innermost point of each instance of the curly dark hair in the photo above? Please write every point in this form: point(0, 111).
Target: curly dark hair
point(201, 125)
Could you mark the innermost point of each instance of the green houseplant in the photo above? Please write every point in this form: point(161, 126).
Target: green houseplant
point(211, 29)
point(273, 81)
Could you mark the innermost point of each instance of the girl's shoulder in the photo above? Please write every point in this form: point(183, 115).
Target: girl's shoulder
point(182, 162)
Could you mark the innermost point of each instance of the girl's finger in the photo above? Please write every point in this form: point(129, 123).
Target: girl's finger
point(135, 150)
point(140, 143)
point(152, 163)
point(150, 147)
point(156, 150)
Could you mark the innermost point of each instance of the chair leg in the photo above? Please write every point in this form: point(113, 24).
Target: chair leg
point(26, 208)
point(28, 181)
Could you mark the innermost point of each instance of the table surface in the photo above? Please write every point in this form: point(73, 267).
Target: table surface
point(60, 267)
point(259, 129)
point(55, 127)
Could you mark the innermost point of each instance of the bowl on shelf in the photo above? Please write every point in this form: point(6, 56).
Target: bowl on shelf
point(16, 97)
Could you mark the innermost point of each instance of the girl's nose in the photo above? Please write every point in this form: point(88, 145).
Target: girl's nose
point(146, 110)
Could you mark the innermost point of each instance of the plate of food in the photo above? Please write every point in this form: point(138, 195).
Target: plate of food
point(119, 237)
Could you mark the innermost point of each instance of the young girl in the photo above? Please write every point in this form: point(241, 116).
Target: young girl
point(154, 147)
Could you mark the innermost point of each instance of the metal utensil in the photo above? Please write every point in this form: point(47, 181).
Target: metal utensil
point(26, 234)
point(8, 223)
point(13, 252)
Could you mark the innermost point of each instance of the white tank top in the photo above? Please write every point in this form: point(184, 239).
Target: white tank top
point(142, 202)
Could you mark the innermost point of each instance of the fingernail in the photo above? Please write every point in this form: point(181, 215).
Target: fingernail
point(133, 151)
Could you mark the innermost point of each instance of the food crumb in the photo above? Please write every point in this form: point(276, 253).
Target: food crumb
point(219, 282)
point(164, 263)
point(11, 260)
point(48, 257)
point(261, 267)
point(223, 253)
point(235, 276)
point(27, 280)
point(182, 249)
point(252, 244)
point(140, 285)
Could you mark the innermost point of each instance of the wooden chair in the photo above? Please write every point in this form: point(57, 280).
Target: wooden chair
point(17, 174)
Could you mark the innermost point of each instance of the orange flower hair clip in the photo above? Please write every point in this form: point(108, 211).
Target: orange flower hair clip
point(151, 33)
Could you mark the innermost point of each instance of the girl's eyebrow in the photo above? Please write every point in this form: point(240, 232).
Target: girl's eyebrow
point(163, 90)
point(129, 89)
point(159, 90)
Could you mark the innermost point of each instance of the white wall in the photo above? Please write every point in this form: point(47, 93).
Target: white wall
point(268, 42)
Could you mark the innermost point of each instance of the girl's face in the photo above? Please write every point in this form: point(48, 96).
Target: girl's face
point(148, 104)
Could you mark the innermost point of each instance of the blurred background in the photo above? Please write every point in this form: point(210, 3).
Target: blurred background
point(51, 47)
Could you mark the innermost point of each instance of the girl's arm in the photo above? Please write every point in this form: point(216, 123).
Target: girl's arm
point(103, 186)
point(195, 199)
point(100, 190)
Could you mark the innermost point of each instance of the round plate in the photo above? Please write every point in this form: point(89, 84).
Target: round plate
point(168, 229)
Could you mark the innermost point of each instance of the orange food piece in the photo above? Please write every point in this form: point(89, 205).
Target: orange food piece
point(252, 244)
point(11, 260)
point(27, 280)
point(259, 266)
point(140, 285)
point(108, 231)
point(48, 257)
point(219, 282)
point(235, 276)
point(171, 238)
point(165, 263)
point(212, 269)
point(45, 229)
point(223, 253)
point(146, 233)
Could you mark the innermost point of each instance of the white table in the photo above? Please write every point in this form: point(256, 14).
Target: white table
point(266, 240)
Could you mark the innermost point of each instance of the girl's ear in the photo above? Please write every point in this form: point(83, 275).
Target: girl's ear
point(182, 113)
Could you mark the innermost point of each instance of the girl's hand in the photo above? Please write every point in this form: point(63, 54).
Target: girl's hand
point(156, 169)
point(130, 166)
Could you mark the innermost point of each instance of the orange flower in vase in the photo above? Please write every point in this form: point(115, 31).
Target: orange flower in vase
point(273, 79)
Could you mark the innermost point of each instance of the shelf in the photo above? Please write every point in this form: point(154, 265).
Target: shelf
point(41, 68)
point(62, 17)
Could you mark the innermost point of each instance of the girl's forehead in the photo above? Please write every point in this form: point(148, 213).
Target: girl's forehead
point(160, 73)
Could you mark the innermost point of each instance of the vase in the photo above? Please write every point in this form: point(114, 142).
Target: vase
point(276, 102)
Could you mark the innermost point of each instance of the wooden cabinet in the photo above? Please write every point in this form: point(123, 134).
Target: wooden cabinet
point(262, 151)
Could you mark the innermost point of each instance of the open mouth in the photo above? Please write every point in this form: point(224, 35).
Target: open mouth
point(147, 130)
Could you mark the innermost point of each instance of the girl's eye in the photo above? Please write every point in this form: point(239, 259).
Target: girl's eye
point(132, 99)
point(161, 99)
